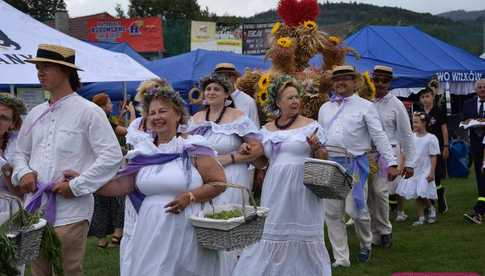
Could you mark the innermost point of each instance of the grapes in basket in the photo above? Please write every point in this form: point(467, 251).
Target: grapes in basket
point(224, 215)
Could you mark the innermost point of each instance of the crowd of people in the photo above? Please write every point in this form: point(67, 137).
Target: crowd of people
point(150, 177)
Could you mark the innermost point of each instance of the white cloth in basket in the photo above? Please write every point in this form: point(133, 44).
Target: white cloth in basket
point(164, 243)
point(418, 186)
point(292, 242)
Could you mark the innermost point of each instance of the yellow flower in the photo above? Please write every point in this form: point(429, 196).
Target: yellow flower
point(370, 84)
point(334, 39)
point(276, 27)
point(310, 25)
point(263, 97)
point(285, 42)
point(263, 82)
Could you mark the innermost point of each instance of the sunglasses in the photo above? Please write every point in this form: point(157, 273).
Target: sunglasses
point(381, 80)
point(344, 78)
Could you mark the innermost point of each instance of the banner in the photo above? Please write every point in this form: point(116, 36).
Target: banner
point(470, 76)
point(215, 36)
point(142, 34)
point(256, 38)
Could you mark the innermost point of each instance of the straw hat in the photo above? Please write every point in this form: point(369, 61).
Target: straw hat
point(344, 70)
point(226, 68)
point(383, 71)
point(55, 54)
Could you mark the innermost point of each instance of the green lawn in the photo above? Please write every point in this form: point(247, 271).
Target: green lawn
point(449, 245)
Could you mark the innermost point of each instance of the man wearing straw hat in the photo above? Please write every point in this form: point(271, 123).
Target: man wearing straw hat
point(68, 133)
point(396, 124)
point(242, 101)
point(352, 123)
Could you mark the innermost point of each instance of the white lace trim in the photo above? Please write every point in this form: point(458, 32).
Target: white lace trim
point(241, 127)
point(297, 134)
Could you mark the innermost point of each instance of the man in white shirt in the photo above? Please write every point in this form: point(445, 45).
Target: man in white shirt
point(352, 122)
point(66, 133)
point(242, 101)
point(396, 124)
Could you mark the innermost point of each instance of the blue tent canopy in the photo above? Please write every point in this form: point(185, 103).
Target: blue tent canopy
point(122, 48)
point(410, 47)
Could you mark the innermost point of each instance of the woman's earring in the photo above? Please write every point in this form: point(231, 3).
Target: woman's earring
point(227, 102)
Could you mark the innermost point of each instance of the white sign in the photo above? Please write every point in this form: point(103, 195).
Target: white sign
point(470, 76)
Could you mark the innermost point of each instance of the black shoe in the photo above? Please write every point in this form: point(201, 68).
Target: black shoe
point(364, 255)
point(386, 241)
point(474, 218)
point(442, 204)
point(393, 203)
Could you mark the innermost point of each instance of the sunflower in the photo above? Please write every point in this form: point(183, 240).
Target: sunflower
point(263, 97)
point(310, 25)
point(334, 39)
point(264, 81)
point(276, 27)
point(285, 42)
point(370, 84)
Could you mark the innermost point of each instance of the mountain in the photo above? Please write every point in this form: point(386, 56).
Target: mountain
point(346, 18)
point(462, 15)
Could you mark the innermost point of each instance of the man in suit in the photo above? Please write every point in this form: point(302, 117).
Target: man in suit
point(472, 109)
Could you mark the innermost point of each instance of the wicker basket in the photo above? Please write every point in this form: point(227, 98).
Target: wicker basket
point(27, 240)
point(328, 179)
point(234, 233)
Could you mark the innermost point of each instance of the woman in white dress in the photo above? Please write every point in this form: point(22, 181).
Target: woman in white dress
point(292, 242)
point(422, 186)
point(235, 138)
point(171, 187)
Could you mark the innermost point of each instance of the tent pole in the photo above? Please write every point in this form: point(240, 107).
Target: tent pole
point(12, 90)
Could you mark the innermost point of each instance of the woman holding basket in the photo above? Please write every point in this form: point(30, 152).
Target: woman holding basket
point(292, 242)
point(165, 180)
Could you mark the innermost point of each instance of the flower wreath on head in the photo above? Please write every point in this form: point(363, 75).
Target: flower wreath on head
point(174, 96)
point(269, 90)
point(12, 102)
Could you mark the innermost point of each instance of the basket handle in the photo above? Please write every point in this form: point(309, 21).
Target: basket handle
point(242, 188)
point(12, 198)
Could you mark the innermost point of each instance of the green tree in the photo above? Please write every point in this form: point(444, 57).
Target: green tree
point(120, 13)
point(41, 10)
point(170, 9)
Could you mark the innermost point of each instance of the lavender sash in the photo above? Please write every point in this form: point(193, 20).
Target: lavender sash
point(36, 200)
point(135, 164)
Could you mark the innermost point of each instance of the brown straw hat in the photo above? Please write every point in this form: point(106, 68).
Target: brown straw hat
point(55, 54)
point(227, 68)
point(383, 71)
point(344, 70)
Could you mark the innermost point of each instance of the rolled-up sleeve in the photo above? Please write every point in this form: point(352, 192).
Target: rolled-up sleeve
point(378, 136)
point(21, 155)
point(405, 135)
point(107, 151)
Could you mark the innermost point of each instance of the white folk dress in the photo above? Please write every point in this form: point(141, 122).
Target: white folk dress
point(164, 243)
point(418, 186)
point(292, 243)
point(133, 137)
point(7, 155)
point(225, 139)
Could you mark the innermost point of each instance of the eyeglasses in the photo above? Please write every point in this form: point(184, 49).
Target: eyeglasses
point(381, 80)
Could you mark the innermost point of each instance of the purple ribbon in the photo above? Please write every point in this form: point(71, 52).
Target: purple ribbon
point(138, 162)
point(36, 200)
point(382, 165)
point(202, 130)
point(275, 149)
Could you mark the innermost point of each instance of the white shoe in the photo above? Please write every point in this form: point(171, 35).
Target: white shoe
point(340, 264)
point(350, 222)
point(432, 215)
point(401, 216)
point(420, 221)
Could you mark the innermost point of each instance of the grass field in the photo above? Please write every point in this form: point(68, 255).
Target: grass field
point(450, 245)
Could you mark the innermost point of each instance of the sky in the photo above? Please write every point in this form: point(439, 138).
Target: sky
point(251, 7)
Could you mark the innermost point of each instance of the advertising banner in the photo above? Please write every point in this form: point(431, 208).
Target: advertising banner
point(216, 36)
point(142, 34)
point(256, 38)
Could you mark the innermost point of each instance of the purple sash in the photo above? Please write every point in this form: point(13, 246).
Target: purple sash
point(135, 164)
point(36, 200)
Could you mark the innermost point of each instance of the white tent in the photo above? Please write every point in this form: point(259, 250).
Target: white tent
point(20, 35)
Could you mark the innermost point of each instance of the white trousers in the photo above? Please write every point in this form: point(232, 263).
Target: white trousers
point(378, 200)
point(337, 234)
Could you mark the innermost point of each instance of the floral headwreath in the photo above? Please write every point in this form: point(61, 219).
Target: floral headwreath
point(270, 89)
point(219, 79)
point(168, 93)
point(12, 102)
